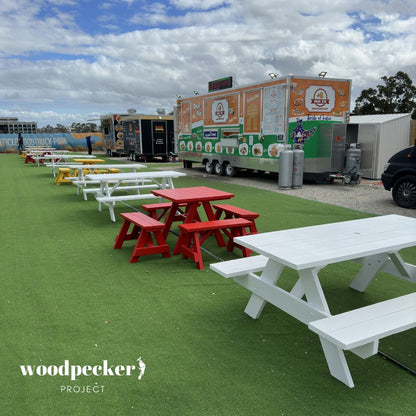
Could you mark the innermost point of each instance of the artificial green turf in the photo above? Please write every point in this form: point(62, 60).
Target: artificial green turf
point(66, 294)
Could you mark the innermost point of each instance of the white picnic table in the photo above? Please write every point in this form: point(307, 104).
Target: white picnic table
point(81, 182)
point(373, 242)
point(112, 183)
point(60, 160)
point(39, 153)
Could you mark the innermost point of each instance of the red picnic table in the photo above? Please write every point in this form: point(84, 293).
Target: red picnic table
point(192, 198)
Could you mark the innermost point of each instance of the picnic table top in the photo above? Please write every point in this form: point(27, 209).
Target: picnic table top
point(319, 245)
point(111, 177)
point(192, 194)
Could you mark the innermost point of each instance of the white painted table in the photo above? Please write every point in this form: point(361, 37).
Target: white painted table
point(38, 153)
point(59, 160)
point(81, 182)
point(111, 183)
point(373, 242)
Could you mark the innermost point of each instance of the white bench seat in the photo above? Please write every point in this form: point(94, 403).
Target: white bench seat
point(359, 330)
point(360, 326)
point(121, 188)
point(240, 267)
point(132, 197)
point(82, 184)
point(110, 201)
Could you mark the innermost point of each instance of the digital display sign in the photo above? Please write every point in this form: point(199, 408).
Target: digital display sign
point(220, 84)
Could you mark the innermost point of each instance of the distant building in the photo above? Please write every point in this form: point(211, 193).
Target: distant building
point(12, 125)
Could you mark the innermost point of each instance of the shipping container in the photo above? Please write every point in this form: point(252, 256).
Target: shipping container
point(380, 136)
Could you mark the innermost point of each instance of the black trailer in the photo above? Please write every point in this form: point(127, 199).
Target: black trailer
point(148, 136)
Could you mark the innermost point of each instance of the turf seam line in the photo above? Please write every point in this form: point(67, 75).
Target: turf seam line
point(398, 363)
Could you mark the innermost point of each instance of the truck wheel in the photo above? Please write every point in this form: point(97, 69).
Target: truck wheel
point(404, 192)
point(230, 171)
point(218, 168)
point(209, 167)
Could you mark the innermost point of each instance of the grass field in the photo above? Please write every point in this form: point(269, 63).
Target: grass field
point(67, 296)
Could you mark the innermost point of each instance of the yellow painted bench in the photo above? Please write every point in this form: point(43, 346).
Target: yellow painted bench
point(63, 175)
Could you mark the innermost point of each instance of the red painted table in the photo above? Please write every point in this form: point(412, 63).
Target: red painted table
point(192, 197)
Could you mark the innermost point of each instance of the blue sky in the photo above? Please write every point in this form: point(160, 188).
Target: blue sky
point(64, 61)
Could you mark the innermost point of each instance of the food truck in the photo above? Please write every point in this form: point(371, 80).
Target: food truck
point(148, 136)
point(112, 131)
point(248, 127)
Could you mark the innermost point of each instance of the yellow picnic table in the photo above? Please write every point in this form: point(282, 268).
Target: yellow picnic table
point(89, 161)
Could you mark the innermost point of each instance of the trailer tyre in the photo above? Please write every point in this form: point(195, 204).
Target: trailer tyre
point(404, 192)
point(209, 167)
point(218, 168)
point(230, 170)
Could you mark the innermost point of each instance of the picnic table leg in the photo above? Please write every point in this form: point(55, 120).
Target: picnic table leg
point(53, 168)
point(145, 245)
point(391, 263)
point(297, 290)
point(398, 267)
point(111, 209)
point(169, 219)
point(170, 183)
point(122, 235)
point(371, 265)
point(337, 363)
point(270, 274)
point(237, 232)
point(313, 290)
point(188, 244)
point(211, 217)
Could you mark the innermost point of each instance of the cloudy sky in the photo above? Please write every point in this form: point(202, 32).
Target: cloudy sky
point(65, 61)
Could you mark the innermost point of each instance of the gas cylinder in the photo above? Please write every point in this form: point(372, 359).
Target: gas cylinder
point(297, 174)
point(285, 168)
point(353, 162)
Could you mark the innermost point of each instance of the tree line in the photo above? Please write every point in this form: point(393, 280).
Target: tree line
point(74, 128)
point(396, 94)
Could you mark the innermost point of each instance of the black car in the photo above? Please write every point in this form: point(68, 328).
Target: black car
point(400, 176)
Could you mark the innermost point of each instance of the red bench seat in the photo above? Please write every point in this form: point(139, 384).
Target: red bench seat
point(192, 235)
point(143, 228)
point(231, 211)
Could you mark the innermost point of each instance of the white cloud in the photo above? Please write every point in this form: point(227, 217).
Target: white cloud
point(196, 41)
point(198, 4)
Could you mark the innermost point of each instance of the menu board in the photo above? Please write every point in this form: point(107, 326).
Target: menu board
point(185, 122)
point(273, 110)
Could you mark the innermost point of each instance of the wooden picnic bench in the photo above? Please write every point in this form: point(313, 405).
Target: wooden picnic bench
point(148, 233)
point(373, 242)
point(360, 330)
point(231, 211)
point(81, 182)
point(114, 182)
point(193, 234)
point(160, 209)
point(64, 176)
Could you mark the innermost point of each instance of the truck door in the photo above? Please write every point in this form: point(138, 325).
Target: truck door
point(128, 136)
point(159, 137)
